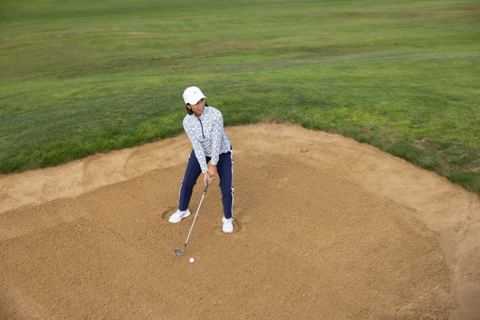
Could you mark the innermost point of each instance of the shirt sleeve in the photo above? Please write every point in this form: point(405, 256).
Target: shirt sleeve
point(217, 138)
point(196, 144)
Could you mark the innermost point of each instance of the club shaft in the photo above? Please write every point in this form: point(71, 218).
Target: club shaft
point(195, 218)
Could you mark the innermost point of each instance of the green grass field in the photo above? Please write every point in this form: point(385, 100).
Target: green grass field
point(81, 77)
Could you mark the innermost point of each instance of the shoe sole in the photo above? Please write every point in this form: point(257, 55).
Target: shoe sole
point(227, 231)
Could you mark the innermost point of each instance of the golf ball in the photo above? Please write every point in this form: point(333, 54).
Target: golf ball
point(191, 260)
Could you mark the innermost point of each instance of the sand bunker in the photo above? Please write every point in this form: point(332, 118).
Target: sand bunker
point(325, 228)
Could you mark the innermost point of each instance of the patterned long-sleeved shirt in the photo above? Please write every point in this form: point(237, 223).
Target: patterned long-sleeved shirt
point(207, 135)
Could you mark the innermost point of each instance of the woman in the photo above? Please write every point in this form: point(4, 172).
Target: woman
point(204, 127)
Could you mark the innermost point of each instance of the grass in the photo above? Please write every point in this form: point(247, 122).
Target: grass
point(81, 77)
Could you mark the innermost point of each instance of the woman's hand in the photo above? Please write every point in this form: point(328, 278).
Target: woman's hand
point(212, 170)
point(207, 178)
point(210, 175)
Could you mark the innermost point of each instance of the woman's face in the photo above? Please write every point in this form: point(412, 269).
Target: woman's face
point(198, 108)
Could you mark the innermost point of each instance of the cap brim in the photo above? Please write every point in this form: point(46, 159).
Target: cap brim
point(202, 97)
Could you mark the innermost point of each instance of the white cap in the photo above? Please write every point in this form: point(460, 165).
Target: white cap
point(192, 95)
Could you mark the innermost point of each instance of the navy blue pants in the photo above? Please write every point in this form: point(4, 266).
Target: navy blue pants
point(225, 173)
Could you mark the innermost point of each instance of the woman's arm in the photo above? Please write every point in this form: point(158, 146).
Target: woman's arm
point(191, 130)
point(217, 135)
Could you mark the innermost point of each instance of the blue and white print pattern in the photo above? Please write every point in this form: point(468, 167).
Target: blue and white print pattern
point(207, 135)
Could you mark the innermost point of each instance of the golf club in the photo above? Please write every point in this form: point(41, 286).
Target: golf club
point(178, 251)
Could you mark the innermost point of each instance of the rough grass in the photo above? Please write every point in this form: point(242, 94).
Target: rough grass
point(82, 77)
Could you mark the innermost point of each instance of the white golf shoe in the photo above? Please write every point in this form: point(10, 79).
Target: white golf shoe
point(178, 215)
point(227, 225)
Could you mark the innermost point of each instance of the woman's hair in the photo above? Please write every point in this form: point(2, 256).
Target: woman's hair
point(189, 111)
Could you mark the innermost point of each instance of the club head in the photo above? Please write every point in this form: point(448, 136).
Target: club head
point(178, 251)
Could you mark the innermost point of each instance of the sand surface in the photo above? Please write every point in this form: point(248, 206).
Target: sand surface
point(325, 228)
